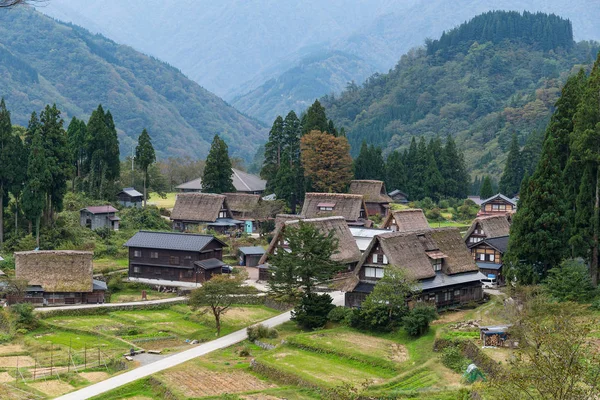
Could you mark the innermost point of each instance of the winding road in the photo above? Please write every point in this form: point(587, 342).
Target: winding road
point(178, 358)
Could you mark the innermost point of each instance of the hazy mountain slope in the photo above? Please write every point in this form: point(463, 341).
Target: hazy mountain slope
point(43, 61)
point(234, 47)
point(478, 90)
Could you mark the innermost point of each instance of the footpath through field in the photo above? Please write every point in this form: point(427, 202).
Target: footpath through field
point(179, 358)
point(111, 305)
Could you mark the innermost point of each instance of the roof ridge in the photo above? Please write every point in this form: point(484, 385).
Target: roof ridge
point(175, 233)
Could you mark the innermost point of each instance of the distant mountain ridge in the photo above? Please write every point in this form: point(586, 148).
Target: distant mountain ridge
point(44, 61)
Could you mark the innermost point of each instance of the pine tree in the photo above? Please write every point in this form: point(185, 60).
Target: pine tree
point(454, 171)
point(144, 157)
point(102, 164)
point(17, 159)
point(369, 164)
point(410, 162)
point(395, 172)
point(486, 190)
point(513, 170)
point(361, 163)
point(315, 119)
point(273, 151)
point(540, 229)
point(432, 178)
point(218, 172)
point(76, 134)
point(418, 174)
point(5, 138)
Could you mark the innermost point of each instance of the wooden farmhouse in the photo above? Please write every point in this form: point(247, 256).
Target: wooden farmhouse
point(57, 277)
point(398, 196)
point(437, 258)
point(347, 254)
point(498, 205)
point(488, 255)
point(411, 219)
point(176, 259)
point(242, 181)
point(243, 206)
point(374, 194)
point(129, 197)
point(203, 210)
point(98, 217)
point(350, 206)
point(487, 227)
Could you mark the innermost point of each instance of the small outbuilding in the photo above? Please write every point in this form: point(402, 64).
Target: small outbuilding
point(129, 197)
point(98, 217)
point(496, 336)
point(250, 256)
point(398, 196)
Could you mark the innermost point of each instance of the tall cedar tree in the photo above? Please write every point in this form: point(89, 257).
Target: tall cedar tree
point(421, 163)
point(540, 229)
point(454, 171)
point(513, 170)
point(57, 159)
point(307, 263)
point(38, 180)
point(411, 169)
point(102, 164)
point(218, 172)
point(486, 190)
point(395, 172)
point(432, 178)
point(315, 119)
point(327, 162)
point(144, 157)
point(17, 159)
point(5, 168)
point(273, 152)
point(76, 136)
point(586, 145)
point(369, 164)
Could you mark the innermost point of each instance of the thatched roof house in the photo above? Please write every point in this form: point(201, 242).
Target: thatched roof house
point(202, 209)
point(374, 194)
point(280, 219)
point(348, 252)
point(489, 226)
point(242, 205)
point(438, 259)
point(350, 206)
point(410, 219)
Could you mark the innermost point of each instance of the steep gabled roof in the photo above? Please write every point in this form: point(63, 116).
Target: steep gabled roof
point(280, 219)
point(347, 249)
point(171, 241)
point(242, 181)
point(499, 196)
point(498, 243)
point(242, 202)
point(345, 205)
point(372, 191)
point(410, 219)
point(201, 207)
point(414, 251)
point(492, 226)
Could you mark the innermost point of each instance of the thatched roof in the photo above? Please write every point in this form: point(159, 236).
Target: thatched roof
point(56, 270)
point(372, 191)
point(280, 219)
point(410, 219)
point(201, 207)
point(415, 250)
point(344, 205)
point(347, 249)
point(492, 226)
point(242, 203)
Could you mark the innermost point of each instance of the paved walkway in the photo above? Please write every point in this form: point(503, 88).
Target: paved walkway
point(111, 305)
point(176, 359)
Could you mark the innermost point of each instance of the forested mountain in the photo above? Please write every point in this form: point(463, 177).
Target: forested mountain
point(43, 62)
point(496, 75)
point(260, 52)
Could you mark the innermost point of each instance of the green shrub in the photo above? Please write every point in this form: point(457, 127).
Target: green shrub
point(24, 316)
point(416, 323)
point(444, 204)
point(115, 283)
point(426, 204)
point(340, 314)
point(570, 282)
point(261, 331)
point(313, 310)
point(452, 358)
point(144, 218)
point(375, 318)
point(245, 352)
point(595, 305)
point(434, 215)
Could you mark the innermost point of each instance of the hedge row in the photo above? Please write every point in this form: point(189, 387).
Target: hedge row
point(105, 310)
point(300, 341)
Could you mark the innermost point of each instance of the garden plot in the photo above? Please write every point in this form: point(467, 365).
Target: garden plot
point(11, 349)
point(16, 361)
point(94, 377)
point(52, 388)
point(200, 382)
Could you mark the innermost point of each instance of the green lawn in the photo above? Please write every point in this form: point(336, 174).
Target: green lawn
point(110, 264)
point(167, 202)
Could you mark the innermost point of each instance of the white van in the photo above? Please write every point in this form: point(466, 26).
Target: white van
point(489, 283)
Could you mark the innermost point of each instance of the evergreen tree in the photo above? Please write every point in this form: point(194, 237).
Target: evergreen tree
point(17, 159)
point(273, 151)
point(218, 172)
point(513, 170)
point(361, 163)
point(432, 178)
point(315, 119)
point(144, 157)
point(76, 136)
point(540, 229)
point(410, 162)
point(486, 190)
point(369, 164)
point(5, 168)
point(395, 172)
point(454, 171)
point(38, 180)
point(418, 174)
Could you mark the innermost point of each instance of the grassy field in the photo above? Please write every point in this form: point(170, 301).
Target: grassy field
point(110, 264)
point(168, 202)
point(127, 295)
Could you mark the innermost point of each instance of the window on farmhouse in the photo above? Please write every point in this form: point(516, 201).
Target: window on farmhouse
point(137, 253)
point(154, 254)
point(437, 264)
point(173, 260)
point(371, 272)
point(137, 270)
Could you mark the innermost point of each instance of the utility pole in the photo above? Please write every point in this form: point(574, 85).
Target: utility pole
point(132, 158)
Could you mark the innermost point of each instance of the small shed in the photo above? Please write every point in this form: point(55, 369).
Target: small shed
point(398, 196)
point(208, 268)
point(250, 256)
point(496, 335)
point(97, 217)
point(129, 197)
